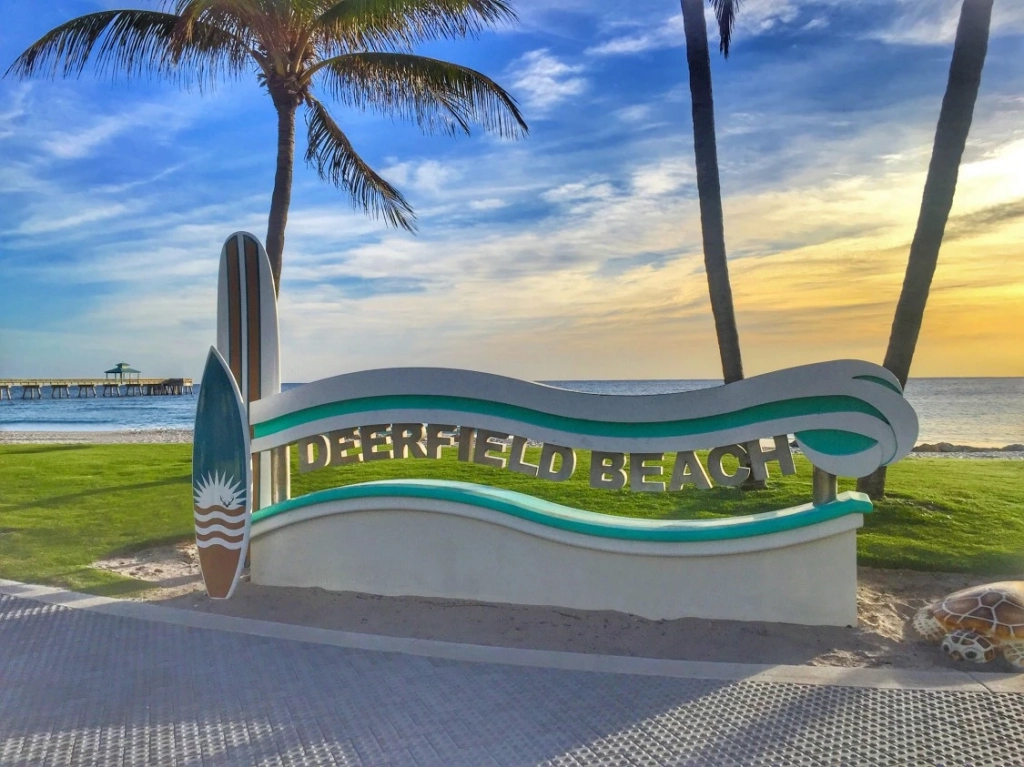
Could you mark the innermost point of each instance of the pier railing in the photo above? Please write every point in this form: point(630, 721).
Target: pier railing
point(60, 388)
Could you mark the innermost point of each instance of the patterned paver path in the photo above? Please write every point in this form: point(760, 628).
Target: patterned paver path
point(81, 687)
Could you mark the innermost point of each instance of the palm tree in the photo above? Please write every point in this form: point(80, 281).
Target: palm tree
point(709, 190)
point(955, 117)
point(358, 52)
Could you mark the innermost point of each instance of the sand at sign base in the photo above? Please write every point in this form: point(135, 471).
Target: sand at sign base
point(886, 599)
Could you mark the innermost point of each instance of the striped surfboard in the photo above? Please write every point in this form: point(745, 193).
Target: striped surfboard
point(221, 478)
point(247, 332)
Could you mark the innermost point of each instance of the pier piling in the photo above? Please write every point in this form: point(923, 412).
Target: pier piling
point(60, 388)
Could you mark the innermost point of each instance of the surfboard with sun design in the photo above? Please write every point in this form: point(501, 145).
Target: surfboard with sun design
point(221, 478)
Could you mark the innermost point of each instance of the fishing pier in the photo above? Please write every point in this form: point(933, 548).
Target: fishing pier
point(60, 388)
point(117, 378)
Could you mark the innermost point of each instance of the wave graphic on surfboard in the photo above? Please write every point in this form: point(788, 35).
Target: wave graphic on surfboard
point(219, 512)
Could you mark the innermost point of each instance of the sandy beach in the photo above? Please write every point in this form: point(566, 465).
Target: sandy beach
point(886, 601)
point(134, 436)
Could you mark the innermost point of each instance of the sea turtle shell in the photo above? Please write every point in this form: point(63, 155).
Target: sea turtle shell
point(994, 610)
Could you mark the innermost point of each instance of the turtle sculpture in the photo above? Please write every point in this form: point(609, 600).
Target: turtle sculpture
point(976, 623)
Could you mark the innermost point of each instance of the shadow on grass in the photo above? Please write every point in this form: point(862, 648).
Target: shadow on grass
point(149, 543)
point(57, 500)
point(36, 449)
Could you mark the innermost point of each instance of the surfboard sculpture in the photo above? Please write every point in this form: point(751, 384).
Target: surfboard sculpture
point(221, 478)
point(247, 333)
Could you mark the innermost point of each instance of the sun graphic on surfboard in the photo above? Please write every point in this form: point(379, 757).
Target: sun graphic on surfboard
point(219, 490)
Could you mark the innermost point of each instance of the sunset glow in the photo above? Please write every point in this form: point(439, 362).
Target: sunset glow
point(574, 253)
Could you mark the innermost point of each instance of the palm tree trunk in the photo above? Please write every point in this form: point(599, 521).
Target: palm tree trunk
point(282, 196)
point(280, 469)
point(709, 189)
point(955, 117)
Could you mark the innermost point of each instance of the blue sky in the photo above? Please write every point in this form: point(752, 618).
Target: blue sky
point(572, 253)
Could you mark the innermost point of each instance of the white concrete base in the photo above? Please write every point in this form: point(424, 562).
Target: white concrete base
point(429, 548)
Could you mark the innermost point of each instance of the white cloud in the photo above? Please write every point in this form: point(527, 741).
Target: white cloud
point(15, 109)
point(491, 203)
point(634, 114)
point(545, 79)
point(73, 144)
point(667, 34)
point(574, 192)
point(755, 17)
point(927, 22)
point(427, 176)
point(43, 224)
point(663, 177)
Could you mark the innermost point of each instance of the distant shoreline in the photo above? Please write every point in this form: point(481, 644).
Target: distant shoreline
point(111, 437)
point(184, 436)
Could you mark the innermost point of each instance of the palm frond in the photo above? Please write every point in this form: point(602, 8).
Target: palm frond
point(725, 12)
point(437, 95)
point(134, 43)
point(336, 161)
point(249, 20)
point(387, 24)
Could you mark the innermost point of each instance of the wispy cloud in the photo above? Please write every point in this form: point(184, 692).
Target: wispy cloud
point(75, 143)
point(755, 17)
point(491, 203)
point(587, 190)
point(668, 34)
point(13, 110)
point(926, 22)
point(43, 224)
point(545, 80)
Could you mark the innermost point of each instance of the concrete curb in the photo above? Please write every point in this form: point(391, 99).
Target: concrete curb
point(951, 680)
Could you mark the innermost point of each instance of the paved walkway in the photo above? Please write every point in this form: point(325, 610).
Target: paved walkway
point(116, 683)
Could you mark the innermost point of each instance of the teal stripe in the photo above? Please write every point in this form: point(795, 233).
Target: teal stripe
point(881, 382)
point(576, 520)
point(835, 442)
point(645, 430)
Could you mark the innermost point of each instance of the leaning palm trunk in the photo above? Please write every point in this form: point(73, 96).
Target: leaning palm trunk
point(950, 138)
point(709, 190)
point(281, 198)
point(280, 460)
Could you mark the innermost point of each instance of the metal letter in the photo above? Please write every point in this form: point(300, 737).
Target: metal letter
point(407, 445)
point(606, 470)
point(718, 473)
point(375, 436)
point(484, 444)
point(546, 470)
point(342, 441)
point(759, 459)
point(307, 461)
point(516, 460)
point(465, 440)
point(637, 472)
point(687, 460)
point(436, 439)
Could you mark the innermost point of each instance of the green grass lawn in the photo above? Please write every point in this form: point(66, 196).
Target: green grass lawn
point(65, 506)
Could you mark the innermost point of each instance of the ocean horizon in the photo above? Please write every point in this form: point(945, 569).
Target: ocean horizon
point(977, 411)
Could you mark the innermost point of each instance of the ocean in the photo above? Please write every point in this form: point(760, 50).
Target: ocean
point(983, 412)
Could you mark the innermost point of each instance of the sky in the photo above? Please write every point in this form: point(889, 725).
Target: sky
point(573, 253)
